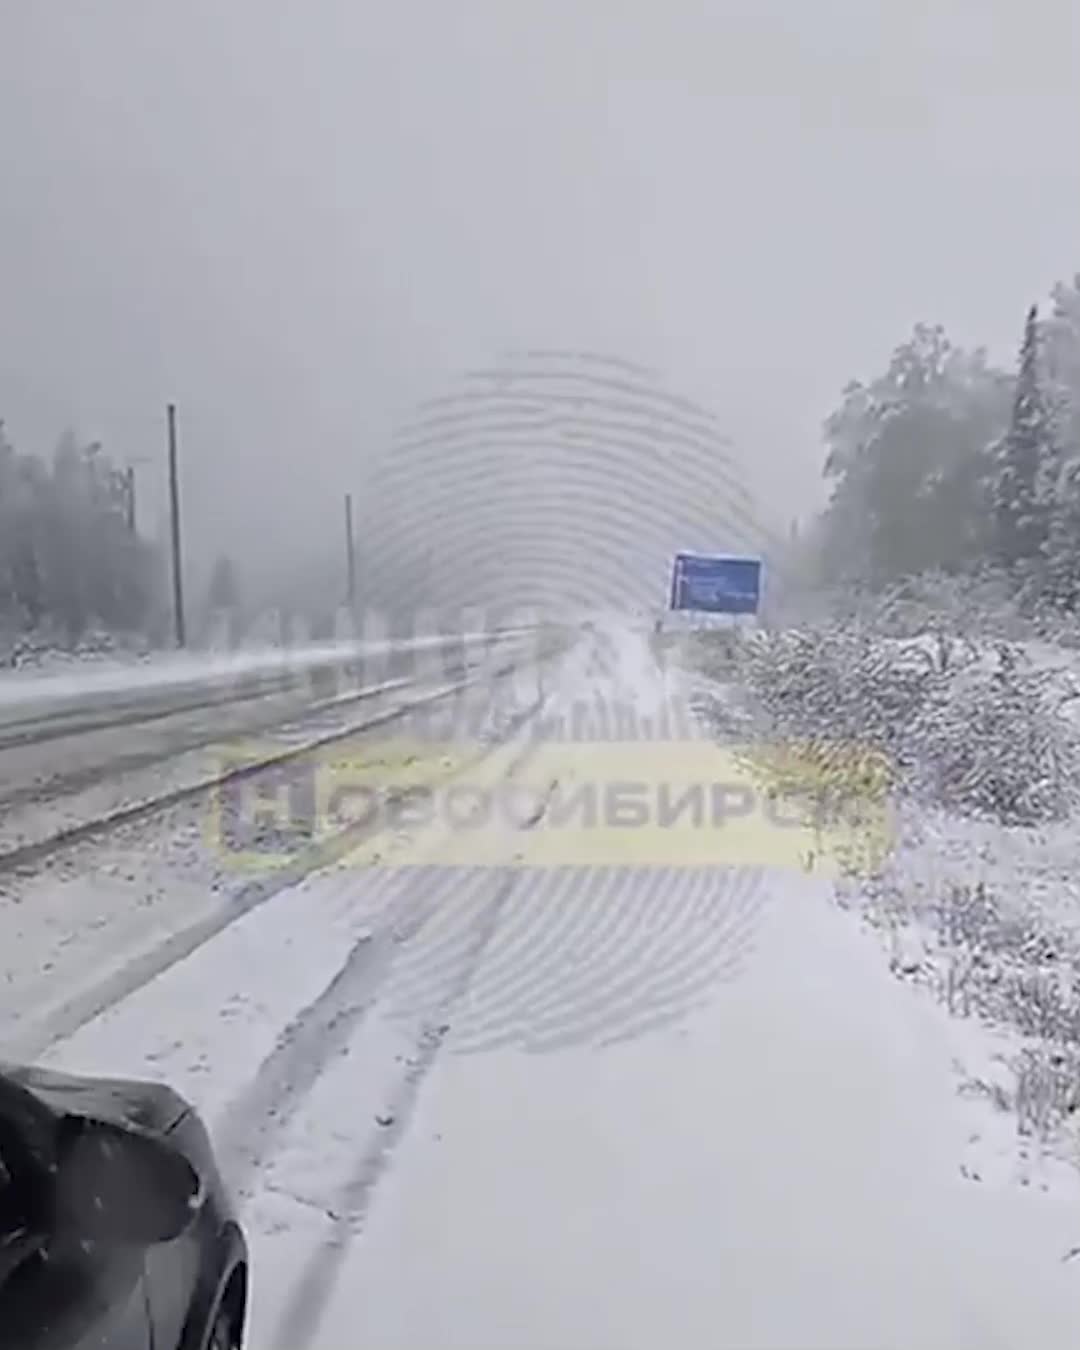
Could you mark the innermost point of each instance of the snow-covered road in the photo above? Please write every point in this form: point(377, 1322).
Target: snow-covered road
point(569, 1108)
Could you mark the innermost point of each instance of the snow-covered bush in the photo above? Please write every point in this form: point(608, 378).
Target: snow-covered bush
point(988, 604)
point(1013, 969)
point(714, 653)
point(1002, 959)
point(855, 712)
point(834, 682)
point(47, 648)
point(995, 743)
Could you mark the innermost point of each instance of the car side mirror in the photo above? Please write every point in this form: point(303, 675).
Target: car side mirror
point(120, 1186)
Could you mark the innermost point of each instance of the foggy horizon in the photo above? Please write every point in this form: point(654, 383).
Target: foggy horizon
point(299, 227)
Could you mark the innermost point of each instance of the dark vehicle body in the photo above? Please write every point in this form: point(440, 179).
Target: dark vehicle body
point(74, 1276)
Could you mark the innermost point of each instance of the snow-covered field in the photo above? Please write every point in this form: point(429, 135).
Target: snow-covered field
point(571, 1108)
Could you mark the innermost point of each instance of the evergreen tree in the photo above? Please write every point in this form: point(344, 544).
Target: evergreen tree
point(1062, 549)
point(1061, 361)
point(1023, 487)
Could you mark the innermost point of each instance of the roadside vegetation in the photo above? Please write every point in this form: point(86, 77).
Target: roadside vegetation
point(974, 745)
point(74, 571)
point(925, 652)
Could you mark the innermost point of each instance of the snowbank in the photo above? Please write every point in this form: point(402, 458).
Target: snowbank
point(30, 697)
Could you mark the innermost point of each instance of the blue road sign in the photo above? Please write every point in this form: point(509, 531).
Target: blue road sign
point(716, 585)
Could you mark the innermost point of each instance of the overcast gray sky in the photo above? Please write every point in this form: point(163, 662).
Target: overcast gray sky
point(297, 219)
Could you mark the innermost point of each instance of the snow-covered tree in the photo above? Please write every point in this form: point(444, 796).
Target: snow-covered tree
point(943, 464)
point(67, 556)
point(1061, 353)
point(1027, 465)
point(1061, 583)
point(906, 457)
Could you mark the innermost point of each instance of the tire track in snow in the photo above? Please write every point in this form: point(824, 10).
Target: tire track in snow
point(424, 905)
point(254, 1122)
point(464, 953)
point(588, 955)
point(556, 959)
point(300, 1321)
point(582, 961)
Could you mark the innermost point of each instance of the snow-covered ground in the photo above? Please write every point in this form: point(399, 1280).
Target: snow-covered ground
point(34, 694)
point(82, 923)
point(60, 784)
point(587, 1109)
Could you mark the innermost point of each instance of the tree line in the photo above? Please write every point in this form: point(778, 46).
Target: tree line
point(946, 463)
point(71, 558)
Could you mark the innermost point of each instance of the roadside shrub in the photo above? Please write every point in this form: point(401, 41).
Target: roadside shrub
point(714, 653)
point(998, 746)
point(837, 683)
point(977, 733)
point(986, 604)
point(1011, 968)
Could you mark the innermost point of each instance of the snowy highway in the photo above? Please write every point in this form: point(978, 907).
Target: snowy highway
point(477, 1094)
point(540, 676)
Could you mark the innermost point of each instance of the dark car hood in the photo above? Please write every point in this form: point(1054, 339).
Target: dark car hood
point(151, 1107)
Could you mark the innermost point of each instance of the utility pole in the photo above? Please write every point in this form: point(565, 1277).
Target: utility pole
point(174, 507)
point(350, 552)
